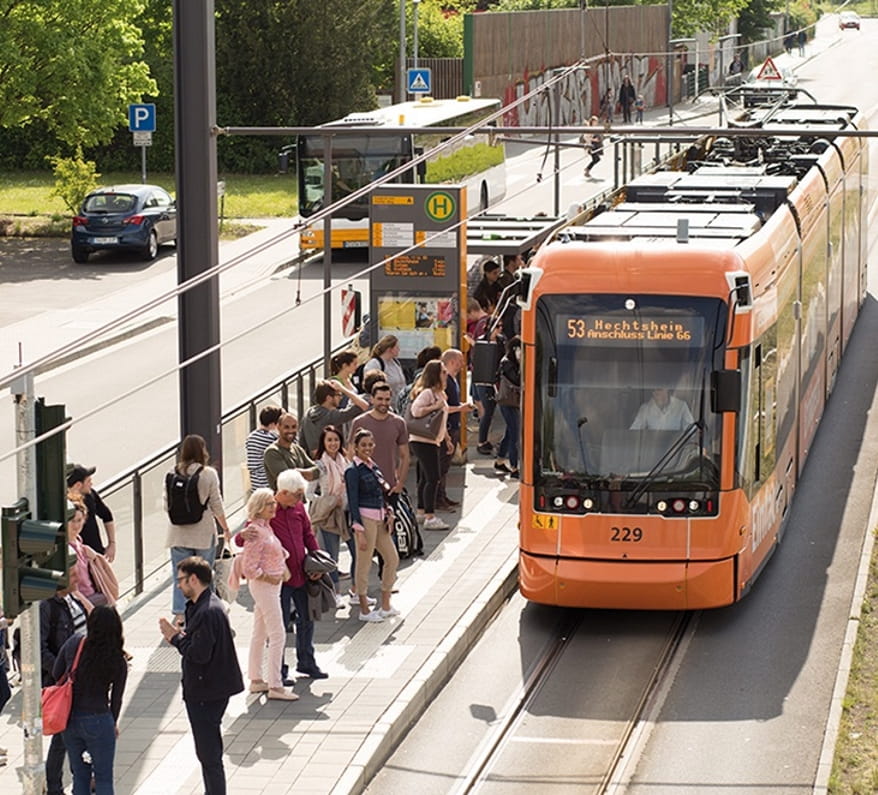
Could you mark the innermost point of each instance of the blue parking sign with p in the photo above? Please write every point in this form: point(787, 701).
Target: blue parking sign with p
point(141, 118)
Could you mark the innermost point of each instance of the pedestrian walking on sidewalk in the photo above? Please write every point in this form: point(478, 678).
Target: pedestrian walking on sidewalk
point(627, 96)
point(264, 564)
point(372, 522)
point(509, 400)
point(594, 143)
point(211, 674)
point(97, 700)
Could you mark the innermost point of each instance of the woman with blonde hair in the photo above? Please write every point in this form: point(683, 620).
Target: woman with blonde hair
point(384, 357)
point(263, 563)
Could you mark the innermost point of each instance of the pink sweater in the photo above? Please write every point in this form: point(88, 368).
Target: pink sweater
point(263, 555)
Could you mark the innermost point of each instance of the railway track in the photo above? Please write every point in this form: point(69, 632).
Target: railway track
point(594, 759)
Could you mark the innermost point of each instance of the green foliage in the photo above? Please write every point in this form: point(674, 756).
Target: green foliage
point(756, 17)
point(72, 64)
point(440, 34)
point(464, 162)
point(74, 179)
point(691, 16)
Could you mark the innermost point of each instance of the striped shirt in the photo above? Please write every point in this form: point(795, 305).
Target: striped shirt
point(77, 613)
point(256, 444)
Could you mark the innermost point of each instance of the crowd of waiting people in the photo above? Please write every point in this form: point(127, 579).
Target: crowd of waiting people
point(331, 479)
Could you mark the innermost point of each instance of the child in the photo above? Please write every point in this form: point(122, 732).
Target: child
point(639, 105)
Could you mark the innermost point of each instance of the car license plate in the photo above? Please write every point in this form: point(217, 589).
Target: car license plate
point(104, 241)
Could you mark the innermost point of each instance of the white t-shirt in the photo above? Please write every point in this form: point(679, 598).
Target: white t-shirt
point(675, 416)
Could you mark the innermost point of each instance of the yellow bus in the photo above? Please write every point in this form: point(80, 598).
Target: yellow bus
point(359, 158)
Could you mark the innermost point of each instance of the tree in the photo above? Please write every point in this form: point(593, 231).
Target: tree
point(72, 65)
point(756, 17)
point(692, 16)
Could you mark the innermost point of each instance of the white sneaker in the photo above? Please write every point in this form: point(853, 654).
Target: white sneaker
point(435, 523)
point(339, 602)
point(373, 617)
point(370, 600)
point(388, 613)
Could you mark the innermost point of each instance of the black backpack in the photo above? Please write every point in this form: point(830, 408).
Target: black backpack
point(183, 504)
point(357, 376)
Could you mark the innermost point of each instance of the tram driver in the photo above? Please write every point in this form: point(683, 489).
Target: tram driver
point(663, 412)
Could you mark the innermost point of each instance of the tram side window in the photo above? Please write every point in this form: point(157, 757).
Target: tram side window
point(765, 399)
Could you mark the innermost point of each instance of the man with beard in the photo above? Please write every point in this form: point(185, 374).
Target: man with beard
point(391, 437)
point(286, 454)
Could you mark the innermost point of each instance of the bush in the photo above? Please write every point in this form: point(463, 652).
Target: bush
point(464, 162)
point(75, 178)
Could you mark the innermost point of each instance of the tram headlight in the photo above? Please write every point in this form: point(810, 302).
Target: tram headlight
point(678, 506)
point(694, 505)
point(662, 506)
point(588, 503)
point(558, 502)
point(572, 502)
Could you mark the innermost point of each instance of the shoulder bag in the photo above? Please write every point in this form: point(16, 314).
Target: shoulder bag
point(508, 394)
point(429, 426)
point(57, 699)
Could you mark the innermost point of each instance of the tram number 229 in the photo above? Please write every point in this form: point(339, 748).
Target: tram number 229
point(632, 534)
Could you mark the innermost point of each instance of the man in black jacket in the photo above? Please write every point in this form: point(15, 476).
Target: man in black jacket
point(211, 674)
point(60, 618)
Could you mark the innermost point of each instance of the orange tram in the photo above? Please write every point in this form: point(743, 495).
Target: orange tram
point(680, 345)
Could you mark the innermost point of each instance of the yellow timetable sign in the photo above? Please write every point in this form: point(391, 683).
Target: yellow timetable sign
point(404, 200)
point(545, 521)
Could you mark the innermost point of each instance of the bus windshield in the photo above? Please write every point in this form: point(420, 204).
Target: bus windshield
point(623, 391)
point(357, 160)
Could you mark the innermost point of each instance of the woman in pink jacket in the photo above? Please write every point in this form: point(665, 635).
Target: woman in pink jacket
point(264, 565)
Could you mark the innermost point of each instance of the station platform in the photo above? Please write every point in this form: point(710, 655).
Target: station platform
point(381, 676)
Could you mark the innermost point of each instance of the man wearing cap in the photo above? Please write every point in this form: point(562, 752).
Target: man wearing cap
point(79, 486)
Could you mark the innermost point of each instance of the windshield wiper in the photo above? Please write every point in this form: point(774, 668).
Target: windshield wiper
point(649, 477)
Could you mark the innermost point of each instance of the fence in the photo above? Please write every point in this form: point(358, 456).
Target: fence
point(136, 495)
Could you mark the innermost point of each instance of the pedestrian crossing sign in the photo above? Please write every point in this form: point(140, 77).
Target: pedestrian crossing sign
point(769, 71)
point(418, 81)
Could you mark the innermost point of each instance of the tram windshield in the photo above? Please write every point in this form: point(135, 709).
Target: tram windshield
point(623, 391)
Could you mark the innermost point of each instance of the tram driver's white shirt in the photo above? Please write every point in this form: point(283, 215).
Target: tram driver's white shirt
point(673, 417)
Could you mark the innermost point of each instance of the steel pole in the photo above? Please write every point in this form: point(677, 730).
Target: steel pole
point(327, 256)
point(34, 771)
point(401, 97)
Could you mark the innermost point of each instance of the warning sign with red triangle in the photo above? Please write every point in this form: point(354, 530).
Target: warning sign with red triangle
point(769, 71)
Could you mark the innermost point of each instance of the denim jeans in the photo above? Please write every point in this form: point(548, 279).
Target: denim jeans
point(509, 444)
point(94, 732)
point(298, 598)
point(205, 718)
point(178, 601)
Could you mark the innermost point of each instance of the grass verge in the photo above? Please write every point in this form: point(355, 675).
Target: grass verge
point(28, 208)
point(855, 765)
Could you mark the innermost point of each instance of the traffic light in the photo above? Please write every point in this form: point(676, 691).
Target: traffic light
point(36, 558)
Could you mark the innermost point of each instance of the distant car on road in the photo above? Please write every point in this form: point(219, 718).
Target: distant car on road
point(126, 218)
point(849, 19)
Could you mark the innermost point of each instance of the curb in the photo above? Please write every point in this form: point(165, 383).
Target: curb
point(428, 681)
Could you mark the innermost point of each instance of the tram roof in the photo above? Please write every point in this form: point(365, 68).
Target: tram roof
point(502, 234)
point(717, 206)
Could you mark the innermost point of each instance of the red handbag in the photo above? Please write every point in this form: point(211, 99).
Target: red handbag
point(57, 699)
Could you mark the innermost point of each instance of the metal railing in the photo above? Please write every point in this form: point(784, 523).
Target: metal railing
point(135, 495)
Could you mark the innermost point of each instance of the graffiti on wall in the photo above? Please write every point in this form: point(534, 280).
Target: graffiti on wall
point(580, 90)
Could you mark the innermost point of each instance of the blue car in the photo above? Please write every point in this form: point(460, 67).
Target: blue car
point(125, 218)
